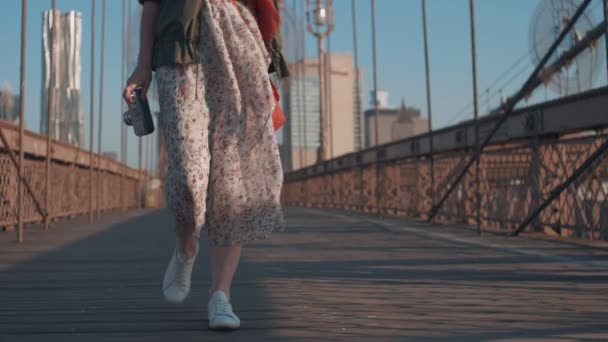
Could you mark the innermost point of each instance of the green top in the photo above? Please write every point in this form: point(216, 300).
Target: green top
point(177, 34)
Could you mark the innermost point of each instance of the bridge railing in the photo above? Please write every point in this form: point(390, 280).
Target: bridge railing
point(115, 186)
point(534, 152)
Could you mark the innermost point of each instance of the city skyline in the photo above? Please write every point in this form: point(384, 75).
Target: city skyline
point(502, 39)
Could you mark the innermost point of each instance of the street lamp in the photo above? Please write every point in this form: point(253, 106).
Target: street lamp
point(320, 25)
point(320, 16)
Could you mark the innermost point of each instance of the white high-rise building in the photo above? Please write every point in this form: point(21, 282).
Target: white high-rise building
point(67, 123)
point(381, 99)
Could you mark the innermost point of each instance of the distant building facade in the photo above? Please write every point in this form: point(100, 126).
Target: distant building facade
point(393, 124)
point(67, 122)
point(110, 154)
point(9, 104)
point(300, 102)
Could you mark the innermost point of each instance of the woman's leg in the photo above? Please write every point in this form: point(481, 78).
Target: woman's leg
point(185, 124)
point(224, 262)
point(245, 176)
point(187, 244)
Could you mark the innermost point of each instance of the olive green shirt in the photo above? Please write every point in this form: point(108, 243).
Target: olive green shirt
point(176, 36)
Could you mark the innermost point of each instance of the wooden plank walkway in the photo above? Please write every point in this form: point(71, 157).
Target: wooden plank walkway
point(329, 277)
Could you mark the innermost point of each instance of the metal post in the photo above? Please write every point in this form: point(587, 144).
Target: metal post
point(303, 84)
point(127, 59)
point(296, 86)
point(605, 2)
point(99, 134)
point(428, 100)
point(122, 103)
point(328, 101)
point(476, 113)
point(20, 204)
point(146, 145)
point(147, 154)
point(158, 148)
point(376, 111)
point(140, 148)
point(49, 115)
point(375, 75)
point(357, 74)
point(140, 166)
point(150, 153)
point(92, 114)
point(322, 117)
point(299, 74)
point(323, 21)
point(359, 106)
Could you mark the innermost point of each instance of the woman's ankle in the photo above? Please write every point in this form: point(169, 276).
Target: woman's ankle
point(187, 246)
point(213, 290)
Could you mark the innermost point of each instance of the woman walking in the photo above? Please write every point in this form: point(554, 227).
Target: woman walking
point(211, 59)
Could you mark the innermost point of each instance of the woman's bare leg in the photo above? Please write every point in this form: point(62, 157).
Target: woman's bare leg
point(187, 245)
point(224, 262)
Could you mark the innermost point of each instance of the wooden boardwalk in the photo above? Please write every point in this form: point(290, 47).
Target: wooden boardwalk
point(329, 277)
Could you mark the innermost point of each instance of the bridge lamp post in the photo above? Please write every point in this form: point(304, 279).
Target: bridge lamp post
point(320, 25)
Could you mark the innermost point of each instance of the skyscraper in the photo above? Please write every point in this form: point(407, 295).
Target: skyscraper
point(67, 123)
point(300, 102)
point(9, 104)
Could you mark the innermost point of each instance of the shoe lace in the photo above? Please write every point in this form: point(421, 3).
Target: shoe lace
point(180, 278)
point(223, 307)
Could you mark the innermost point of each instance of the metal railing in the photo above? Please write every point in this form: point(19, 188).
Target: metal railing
point(115, 186)
point(535, 151)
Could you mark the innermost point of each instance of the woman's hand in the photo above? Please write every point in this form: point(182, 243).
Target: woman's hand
point(141, 77)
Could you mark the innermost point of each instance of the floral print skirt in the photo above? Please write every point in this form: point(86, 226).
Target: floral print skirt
point(224, 172)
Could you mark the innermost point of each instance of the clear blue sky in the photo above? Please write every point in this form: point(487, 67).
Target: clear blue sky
point(502, 32)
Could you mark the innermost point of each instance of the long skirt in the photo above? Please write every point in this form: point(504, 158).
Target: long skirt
point(224, 172)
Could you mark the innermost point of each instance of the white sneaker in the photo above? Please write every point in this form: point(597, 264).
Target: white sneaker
point(176, 282)
point(221, 316)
